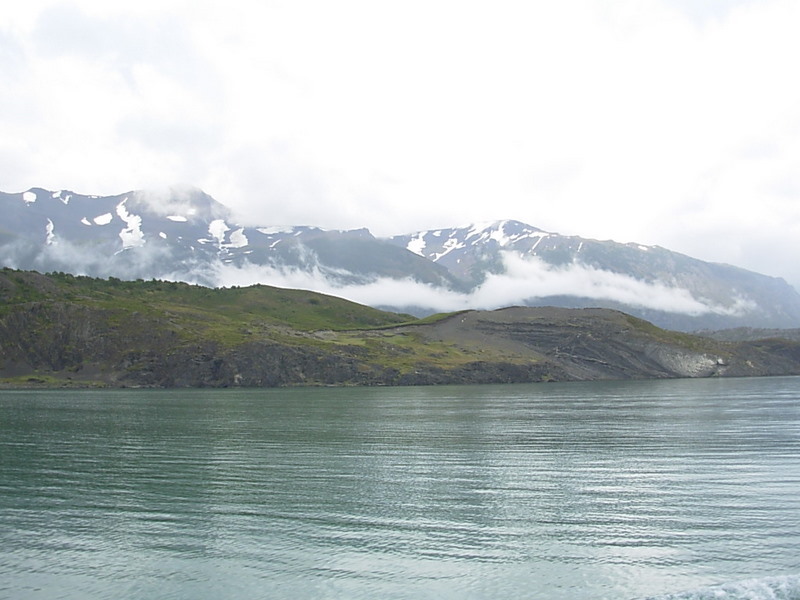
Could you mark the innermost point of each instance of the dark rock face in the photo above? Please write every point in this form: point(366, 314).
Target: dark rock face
point(270, 365)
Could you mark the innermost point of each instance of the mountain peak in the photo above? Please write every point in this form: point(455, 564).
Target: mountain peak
point(189, 202)
point(504, 232)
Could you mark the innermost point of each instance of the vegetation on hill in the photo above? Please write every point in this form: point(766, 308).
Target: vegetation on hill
point(60, 329)
point(233, 306)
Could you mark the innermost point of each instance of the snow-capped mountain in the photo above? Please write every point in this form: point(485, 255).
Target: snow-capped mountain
point(472, 252)
point(578, 269)
point(184, 234)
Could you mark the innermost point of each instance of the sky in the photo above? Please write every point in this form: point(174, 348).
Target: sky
point(663, 122)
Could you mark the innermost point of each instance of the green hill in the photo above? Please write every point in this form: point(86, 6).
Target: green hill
point(60, 329)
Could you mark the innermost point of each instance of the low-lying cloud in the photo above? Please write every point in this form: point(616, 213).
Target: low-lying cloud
point(524, 280)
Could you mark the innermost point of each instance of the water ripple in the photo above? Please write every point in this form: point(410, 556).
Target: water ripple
point(592, 491)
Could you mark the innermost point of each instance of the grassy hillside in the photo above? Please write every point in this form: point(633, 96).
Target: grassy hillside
point(96, 331)
point(218, 310)
point(60, 329)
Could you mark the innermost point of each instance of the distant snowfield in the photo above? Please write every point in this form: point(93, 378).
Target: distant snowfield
point(132, 236)
point(417, 245)
point(103, 219)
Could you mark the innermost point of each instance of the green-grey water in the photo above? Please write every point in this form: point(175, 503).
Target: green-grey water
point(613, 490)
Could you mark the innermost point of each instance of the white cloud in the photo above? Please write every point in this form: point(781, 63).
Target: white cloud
point(524, 279)
point(657, 121)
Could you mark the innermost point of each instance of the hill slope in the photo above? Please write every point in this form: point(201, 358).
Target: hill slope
point(66, 330)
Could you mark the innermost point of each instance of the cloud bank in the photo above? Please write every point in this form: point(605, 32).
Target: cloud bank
point(524, 280)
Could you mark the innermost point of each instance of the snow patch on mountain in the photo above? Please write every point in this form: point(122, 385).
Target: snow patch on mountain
point(29, 197)
point(417, 245)
point(450, 245)
point(217, 229)
point(274, 230)
point(499, 235)
point(50, 236)
point(539, 241)
point(132, 236)
point(238, 239)
point(478, 229)
point(102, 219)
point(177, 218)
point(494, 234)
point(65, 197)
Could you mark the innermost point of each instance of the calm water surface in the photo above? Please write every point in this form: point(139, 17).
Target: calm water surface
point(555, 491)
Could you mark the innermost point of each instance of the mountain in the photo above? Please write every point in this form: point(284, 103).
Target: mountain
point(665, 287)
point(186, 235)
point(62, 330)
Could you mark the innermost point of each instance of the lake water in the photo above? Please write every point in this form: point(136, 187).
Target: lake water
point(616, 490)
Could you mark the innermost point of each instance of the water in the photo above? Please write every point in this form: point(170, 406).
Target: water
point(616, 490)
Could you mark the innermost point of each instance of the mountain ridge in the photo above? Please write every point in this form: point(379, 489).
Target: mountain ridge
point(184, 234)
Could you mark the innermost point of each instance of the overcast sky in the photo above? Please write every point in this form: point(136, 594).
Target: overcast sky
point(668, 122)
